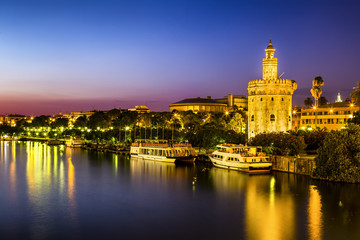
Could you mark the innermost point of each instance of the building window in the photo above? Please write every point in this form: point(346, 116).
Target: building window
point(282, 99)
point(272, 117)
point(260, 99)
point(272, 99)
point(289, 118)
point(252, 118)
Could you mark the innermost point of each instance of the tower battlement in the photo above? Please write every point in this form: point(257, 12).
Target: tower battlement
point(272, 81)
point(270, 87)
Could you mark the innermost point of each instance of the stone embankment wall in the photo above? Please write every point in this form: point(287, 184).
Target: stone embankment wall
point(299, 165)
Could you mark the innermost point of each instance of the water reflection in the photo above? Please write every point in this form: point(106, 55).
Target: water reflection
point(270, 214)
point(158, 173)
point(314, 213)
point(44, 174)
point(48, 189)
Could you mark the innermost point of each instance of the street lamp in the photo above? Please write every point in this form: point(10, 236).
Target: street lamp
point(126, 129)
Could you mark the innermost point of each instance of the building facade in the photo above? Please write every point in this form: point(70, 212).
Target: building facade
point(199, 105)
point(270, 99)
point(333, 116)
point(240, 101)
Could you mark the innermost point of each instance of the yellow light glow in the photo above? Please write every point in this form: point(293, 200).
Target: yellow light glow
point(331, 110)
point(314, 107)
point(351, 105)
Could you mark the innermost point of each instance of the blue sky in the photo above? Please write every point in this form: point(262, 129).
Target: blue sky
point(71, 55)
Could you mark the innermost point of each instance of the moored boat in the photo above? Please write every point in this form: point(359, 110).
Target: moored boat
point(242, 158)
point(162, 150)
point(75, 142)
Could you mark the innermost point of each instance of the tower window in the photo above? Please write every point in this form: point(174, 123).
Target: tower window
point(272, 99)
point(289, 118)
point(282, 99)
point(252, 118)
point(272, 117)
point(260, 99)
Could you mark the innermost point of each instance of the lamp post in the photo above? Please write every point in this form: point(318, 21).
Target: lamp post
point(126, 129)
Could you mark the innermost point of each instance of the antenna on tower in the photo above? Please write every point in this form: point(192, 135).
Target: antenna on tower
point(281, 75)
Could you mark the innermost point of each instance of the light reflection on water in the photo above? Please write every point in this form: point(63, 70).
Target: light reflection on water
point(57, 192)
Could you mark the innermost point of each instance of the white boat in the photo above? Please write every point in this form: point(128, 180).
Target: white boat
point(163, 151)
point(75, 142)
point(242, 158)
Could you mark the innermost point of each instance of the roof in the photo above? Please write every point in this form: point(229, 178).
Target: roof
point(199, 100)
point(270, 46)
point(336, 105)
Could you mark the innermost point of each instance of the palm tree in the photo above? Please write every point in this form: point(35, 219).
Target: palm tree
point(355, 95)
point(316, 92)
point(308, 102)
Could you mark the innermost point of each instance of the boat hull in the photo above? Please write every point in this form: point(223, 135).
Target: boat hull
point(249, 167)
point(163, 158)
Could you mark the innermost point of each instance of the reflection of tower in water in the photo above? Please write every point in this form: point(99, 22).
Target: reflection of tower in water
point(269, 214)
point(314, 213)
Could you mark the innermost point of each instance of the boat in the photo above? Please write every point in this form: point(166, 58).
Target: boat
point(249, 159)
point(74, 142)
point(163, 151)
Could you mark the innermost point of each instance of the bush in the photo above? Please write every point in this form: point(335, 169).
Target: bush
point(339, 157)
point(279, 143)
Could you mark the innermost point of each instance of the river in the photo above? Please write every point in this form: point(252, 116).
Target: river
point(54, 192)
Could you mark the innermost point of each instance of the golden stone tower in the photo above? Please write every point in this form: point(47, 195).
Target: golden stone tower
point(270, 99)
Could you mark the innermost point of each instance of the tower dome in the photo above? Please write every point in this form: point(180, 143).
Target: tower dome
point(270, 46)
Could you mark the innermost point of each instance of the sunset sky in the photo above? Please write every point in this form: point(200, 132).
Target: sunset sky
point(73, 55)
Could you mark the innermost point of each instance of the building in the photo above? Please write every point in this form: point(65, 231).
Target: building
point(140, 109)
point(240, 101)
point(333, 116)
point(270, 99)
point(199, 105)
point(11, 119)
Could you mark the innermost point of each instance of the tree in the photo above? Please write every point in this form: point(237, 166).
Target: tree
point(98, 119)
point(279, 143)
point(356, 118)
point(60, 122)
point(323, 101)
point(113, 114)
point(339, 157)
point(81, 122)
point(316, 91)
point(40, 121)
point(237, 123)
point(308, 102)
point(355, 95)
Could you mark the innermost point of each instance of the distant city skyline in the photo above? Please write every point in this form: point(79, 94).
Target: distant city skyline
point(58, 56)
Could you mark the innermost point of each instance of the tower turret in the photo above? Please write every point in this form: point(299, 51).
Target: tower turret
point(270, 63)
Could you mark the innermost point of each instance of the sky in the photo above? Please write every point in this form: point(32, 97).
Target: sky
point(80, 55)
